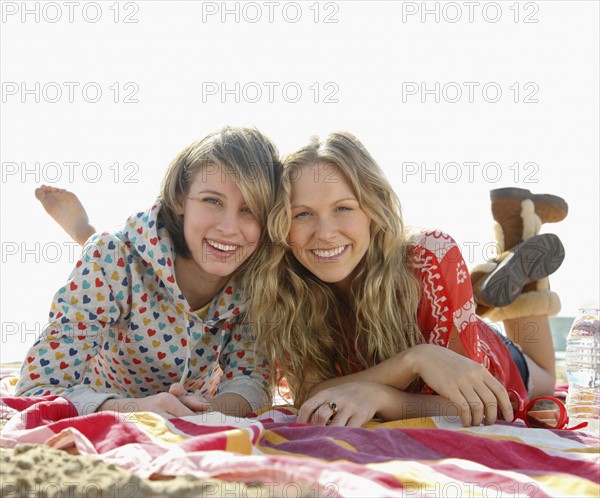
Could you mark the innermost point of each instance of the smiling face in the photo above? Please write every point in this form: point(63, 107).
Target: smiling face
point(330, 232)
point(219, 227)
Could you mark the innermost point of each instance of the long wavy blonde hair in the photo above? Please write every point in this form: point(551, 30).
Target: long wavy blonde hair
point(303, 325)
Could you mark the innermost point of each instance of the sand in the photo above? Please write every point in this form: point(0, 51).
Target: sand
point(37, 471)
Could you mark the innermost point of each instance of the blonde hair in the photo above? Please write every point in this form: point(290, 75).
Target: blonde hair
point(302, 323)
point(244, 153)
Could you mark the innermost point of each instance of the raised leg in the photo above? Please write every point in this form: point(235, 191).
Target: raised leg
point(534, 336)
point(66, 209)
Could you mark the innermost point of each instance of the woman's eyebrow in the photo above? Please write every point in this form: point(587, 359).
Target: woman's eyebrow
point(345, 199)
point(207, 191)
point(296, 206)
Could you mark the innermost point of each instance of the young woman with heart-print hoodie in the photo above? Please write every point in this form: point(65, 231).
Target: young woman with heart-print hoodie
point(152, 316)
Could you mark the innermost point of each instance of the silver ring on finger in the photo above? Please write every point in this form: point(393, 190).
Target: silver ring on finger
point(332, 406)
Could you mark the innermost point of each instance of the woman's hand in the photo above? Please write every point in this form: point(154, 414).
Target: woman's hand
point(195, 402)
point(464, 382)
point(232, 404)
point(355, 403)
point(167, 405)
point(464, 387)
point(352, 404)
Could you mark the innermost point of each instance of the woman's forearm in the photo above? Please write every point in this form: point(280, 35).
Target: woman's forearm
point(473, 391)
point(231, 404)
point(398, 372)
point(360, 401)
point(399, 405)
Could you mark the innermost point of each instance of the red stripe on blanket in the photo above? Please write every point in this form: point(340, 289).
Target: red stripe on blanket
point(41, 411)
point(194, 429)
point(502, 455)
point(202, 437)
point(105, 430)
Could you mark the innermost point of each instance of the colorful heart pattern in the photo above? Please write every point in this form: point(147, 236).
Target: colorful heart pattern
point(122, 325)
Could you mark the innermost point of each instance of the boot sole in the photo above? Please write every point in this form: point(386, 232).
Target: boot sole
point(536, 258)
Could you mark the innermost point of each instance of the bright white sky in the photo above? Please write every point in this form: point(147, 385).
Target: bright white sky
point(518, 98)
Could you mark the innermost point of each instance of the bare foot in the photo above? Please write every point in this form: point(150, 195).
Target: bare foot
point(66, 209)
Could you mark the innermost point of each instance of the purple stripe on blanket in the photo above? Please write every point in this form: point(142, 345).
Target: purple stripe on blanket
point(371, 446)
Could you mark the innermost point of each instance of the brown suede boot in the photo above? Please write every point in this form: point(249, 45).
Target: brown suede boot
point(515, 283)
point(519, 214)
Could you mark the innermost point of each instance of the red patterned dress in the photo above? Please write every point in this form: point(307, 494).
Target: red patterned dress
point(447, 300)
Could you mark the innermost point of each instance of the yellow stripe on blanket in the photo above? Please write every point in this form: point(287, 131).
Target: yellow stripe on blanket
point(566, 485)
point(239, 441)
point(162, 432)
point(419, 479)
point(587, 449)
point(272, 437)
point(156, 427)
point(410, 423)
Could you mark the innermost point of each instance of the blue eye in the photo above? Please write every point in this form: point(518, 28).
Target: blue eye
point(211, 200)
point(344, 208)
point(301, 215)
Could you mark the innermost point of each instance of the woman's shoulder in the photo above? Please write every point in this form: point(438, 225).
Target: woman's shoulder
point(437, 255)
point(433, 241)
point(140, 233)
point(105, 244)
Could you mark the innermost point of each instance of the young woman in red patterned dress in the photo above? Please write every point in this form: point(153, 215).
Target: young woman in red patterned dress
point(366, 321)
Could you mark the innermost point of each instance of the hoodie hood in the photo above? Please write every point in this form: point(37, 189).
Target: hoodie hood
point(150, 241)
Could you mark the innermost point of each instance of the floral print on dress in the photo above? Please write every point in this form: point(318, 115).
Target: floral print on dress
point(447, 301)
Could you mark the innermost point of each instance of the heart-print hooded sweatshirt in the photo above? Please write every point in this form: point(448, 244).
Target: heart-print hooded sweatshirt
point(121, 328)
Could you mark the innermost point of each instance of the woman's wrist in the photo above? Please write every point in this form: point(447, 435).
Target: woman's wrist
point(111, 404)
point(413, 359)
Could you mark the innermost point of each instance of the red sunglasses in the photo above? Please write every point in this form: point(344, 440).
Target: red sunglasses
point(543, 412)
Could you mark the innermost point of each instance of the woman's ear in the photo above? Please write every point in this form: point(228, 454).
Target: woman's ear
point(179, 206)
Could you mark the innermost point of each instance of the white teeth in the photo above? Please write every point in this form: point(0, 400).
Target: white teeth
point(221, 247)
point(328, 253)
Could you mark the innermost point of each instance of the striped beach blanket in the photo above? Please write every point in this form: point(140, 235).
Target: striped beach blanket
point(410, 458)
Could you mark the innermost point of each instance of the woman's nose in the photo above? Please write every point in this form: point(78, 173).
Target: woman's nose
point(229, 222)
point(326, 229)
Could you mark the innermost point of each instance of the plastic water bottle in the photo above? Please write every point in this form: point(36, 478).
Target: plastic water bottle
point(582, 362)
